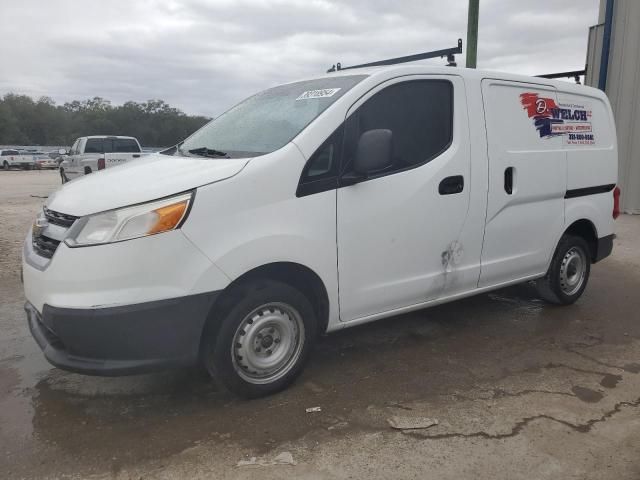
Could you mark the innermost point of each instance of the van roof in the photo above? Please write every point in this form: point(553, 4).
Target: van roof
point(471, 73)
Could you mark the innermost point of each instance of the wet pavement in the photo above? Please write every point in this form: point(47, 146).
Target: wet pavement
point(520, 389)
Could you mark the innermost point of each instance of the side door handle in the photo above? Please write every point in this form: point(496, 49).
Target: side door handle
point(508, 180)
point(451, 185)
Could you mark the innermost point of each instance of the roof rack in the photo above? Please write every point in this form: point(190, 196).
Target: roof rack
point(576, 74)
point(446, 52)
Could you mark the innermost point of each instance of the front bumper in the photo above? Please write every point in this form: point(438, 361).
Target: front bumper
point(133, 272)
point(122, 340)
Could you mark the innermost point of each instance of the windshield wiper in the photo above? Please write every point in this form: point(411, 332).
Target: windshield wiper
point(208, 152)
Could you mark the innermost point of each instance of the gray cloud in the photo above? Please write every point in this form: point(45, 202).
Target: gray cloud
point(204, 55)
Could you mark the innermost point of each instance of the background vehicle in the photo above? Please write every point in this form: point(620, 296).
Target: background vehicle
point(11, 158)
point(42, 161)
point(342, 200)
point(98, 152)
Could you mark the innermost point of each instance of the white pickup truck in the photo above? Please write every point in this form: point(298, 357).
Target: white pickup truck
point(97, 152)
point(10, 158)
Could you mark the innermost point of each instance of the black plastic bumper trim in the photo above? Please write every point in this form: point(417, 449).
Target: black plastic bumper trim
point(583, 192)
point(605, 246)
point(123, 340)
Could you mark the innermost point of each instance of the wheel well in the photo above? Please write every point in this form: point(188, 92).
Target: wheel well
point(293, 274)
point(585, 229)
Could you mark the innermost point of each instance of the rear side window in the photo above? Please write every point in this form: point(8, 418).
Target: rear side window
point(125, 145)
point(94, 145)
point(418, 112)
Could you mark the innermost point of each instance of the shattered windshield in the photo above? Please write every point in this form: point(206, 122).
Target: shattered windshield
point(268, 120)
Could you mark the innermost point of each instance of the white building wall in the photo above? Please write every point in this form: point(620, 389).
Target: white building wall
point(623, 89)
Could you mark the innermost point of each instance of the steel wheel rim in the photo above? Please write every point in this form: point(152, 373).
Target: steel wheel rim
point(268, 343)
point(573, 270)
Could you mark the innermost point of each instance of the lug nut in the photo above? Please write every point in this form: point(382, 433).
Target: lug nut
point(258, 350)
point(276, 340)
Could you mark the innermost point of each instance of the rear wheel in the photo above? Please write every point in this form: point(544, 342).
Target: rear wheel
point(5, 165)
point(263, 340)
point(568, 273)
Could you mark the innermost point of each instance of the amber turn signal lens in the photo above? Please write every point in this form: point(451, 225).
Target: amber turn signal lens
point(169, 217)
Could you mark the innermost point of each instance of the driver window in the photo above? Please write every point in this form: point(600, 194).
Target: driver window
point(418, 112)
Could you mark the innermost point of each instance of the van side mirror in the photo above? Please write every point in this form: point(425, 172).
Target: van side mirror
point(373, 153)
point(62, 151)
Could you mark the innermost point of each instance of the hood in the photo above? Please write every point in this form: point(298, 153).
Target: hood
point(149, 178)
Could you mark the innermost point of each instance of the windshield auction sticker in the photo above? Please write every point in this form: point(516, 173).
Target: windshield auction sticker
point(551, 119)
point(321, 93)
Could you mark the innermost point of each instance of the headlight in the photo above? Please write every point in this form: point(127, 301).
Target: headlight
point(129, 222)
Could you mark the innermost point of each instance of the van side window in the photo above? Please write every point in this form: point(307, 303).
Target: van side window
point(418, 112)
point(321, 171)
point(94, 145)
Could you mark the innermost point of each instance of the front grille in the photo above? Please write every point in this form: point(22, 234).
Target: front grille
point(58, 218)
point(42, 241)
point(45, 246)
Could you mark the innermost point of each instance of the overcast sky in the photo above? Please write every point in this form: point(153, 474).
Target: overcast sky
point(202, 56)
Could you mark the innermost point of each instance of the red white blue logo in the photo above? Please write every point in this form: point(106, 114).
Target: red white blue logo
point(552, 119)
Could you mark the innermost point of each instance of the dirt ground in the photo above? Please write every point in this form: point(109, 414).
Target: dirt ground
point(520, 389)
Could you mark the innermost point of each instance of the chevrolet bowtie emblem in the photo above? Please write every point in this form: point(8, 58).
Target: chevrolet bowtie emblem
point(39, 225)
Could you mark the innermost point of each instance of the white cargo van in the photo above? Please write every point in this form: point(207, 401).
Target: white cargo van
point(97, 152)
point(320, 205)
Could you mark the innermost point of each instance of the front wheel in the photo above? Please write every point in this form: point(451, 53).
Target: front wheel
point(263, 341)
point(568, 273)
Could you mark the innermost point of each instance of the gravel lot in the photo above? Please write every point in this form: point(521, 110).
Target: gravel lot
point(520, 389)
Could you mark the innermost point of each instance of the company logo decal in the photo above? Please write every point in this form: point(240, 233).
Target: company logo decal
point(551, 119)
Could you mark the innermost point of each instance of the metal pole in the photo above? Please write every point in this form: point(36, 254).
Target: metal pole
point(472, 33)
point(606, 45)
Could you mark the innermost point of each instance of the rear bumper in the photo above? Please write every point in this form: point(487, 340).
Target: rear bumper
point(605, 246)
point(122, 340)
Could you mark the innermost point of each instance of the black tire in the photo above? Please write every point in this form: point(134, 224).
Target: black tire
point(557, 286)
point(248, 313)
point(5, 165)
